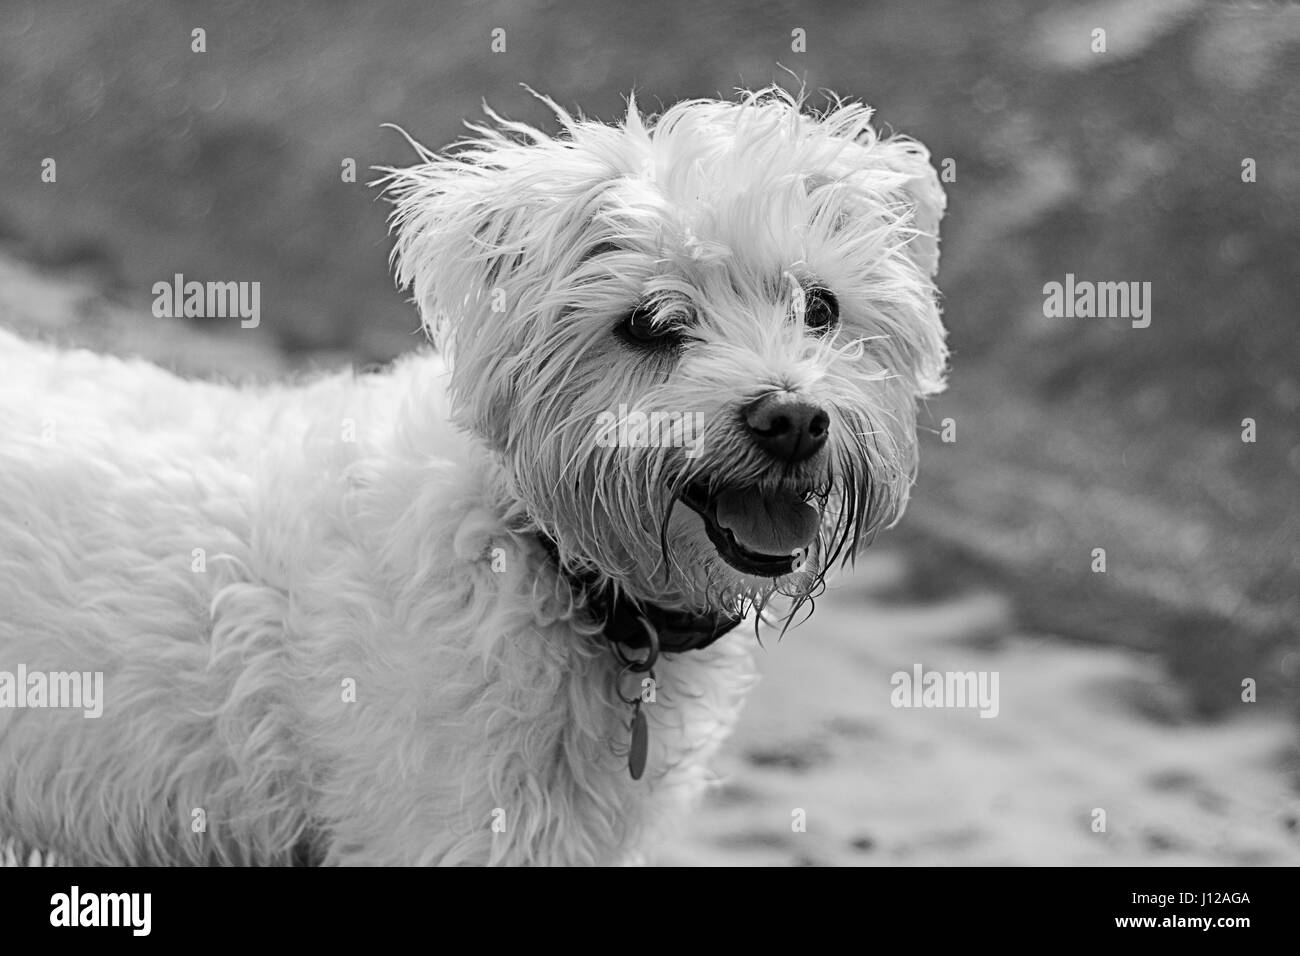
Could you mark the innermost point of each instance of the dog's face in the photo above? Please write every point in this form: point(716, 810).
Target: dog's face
point(697, 341)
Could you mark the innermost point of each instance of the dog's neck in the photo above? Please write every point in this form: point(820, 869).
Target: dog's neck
point(631, 625)
point(669, 631)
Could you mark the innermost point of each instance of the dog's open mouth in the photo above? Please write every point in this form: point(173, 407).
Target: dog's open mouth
point(759, 533)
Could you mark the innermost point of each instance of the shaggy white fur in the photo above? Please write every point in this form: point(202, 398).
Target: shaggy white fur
point(324, 613)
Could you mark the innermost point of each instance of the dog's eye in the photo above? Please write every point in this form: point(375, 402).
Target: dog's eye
point(821, 311)
point(640, 326)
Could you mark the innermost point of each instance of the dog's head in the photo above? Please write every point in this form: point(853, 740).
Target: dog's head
point(696, 340)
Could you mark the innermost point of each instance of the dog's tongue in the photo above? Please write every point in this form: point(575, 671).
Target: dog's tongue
point(767, 524)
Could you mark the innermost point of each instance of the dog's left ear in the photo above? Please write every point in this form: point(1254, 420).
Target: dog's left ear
point(918, 186)
point(901, 167)
point(895, 172)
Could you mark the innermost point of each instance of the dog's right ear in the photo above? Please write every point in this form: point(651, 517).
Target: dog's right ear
point(455, 234)
point(462, 222)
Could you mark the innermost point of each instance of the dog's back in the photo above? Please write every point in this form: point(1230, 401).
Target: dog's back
point(149, 533)
point(125, 507)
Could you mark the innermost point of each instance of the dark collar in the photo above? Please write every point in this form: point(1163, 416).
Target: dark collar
point(674, 631)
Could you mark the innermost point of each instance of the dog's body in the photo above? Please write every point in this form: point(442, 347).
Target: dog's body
point(481, 696)
point(333, 624)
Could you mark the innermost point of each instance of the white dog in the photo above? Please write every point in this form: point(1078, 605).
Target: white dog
point(429, 616)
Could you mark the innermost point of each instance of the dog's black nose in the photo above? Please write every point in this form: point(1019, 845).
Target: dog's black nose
point(788, 430)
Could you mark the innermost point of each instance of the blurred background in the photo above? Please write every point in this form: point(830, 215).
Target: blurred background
point(1121, 690)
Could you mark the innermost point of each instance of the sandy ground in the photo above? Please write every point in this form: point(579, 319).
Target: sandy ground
point(1079, 728)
